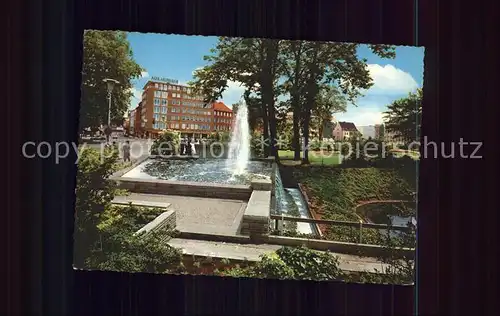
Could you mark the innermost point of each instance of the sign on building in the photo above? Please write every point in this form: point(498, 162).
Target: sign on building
point(166, 80)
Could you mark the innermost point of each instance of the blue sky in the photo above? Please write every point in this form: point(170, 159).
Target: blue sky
point(177, 56)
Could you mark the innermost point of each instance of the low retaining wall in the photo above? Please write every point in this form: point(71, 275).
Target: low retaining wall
point(256, 220)
point(163, 223)
point(341, 247)
point(123, 171)
point(185, 188)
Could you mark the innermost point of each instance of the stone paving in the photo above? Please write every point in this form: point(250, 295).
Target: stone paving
point(251, 252)
point(194, 214)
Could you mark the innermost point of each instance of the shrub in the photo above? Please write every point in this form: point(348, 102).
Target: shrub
point(93, 195)
point(166, 144)
point(138, 254)
point(256, 145)
point(292, 263)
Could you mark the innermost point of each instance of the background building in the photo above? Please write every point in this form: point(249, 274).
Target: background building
point(368, 131)
point(223, 117)
point(344, 131)
point(166, 104)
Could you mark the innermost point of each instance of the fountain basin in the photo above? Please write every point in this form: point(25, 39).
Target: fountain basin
point(198, 170)
point(194, 177)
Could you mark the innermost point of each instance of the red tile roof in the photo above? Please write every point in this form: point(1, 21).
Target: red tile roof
point(348, 126)
point(220, 106)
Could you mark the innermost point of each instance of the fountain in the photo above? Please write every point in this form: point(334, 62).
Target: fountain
point(239, 146)
point(237, 169)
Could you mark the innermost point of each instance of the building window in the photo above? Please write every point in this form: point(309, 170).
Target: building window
point(164, 94)
point(177, 125)
point(156, 109)
point(157, 94)
point(156, 117)
point(156, 85)
point(183, 126)
point(163, 109)
point(157, 101)
point(163, 117)
point(164, 102)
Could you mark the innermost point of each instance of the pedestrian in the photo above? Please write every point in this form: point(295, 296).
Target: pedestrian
point(183, 146)
point(107, 132)
point(188, 147)
point(126, 151)
point(193, 148)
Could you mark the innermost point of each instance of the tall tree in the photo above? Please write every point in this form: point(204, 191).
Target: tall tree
point(329, 101)
point(336, 63)
point(249, 61)
point(292, 60)
point(106, 54)
point(403, 117)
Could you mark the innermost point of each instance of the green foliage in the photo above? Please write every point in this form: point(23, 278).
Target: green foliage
point(292, 263)
point(106, 54)
point(103, 237)
point(119, 250)
point(166, 144)
point(93, 195)
point(403, 117)
point(257, 145)
point(381, 136)
point(137, 254)
point(328, 101)
point(335, 192)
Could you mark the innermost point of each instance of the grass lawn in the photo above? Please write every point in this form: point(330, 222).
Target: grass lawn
point(315, 158)
point(401, 152)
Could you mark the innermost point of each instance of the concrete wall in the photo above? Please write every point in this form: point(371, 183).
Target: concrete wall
point(340, 247)
point(163, 223)
point(256, 220)
point(185, 188)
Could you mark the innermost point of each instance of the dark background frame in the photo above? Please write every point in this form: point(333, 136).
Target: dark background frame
point(457, 213)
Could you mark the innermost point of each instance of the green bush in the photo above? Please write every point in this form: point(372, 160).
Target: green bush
point(166, 144)
point(103, 237)
point(292, 263)
point(335, 192)
point(138, 254)
point(93, 195)
point(256, 145)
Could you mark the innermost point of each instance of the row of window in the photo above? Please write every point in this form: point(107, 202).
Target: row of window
point(166, 87)
point(177, 102)
point(163, 91)
point(221, 120)
point(220, 113)
point(163, 125)
point(163, 109)
point(157, 117)
point(222, 128)
point(158, 101)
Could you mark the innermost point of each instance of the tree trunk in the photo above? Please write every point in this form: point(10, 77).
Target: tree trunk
point(320, 130)
point(268, 72)
point(296, 132)
point(307, 119)
point(265, 127)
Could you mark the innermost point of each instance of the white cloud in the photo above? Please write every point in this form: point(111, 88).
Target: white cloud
point(136, 97)
point(390, 80)
point(362, 116)
point(233, 93)
point(144, 74)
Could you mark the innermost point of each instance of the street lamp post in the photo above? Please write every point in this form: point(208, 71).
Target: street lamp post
point(110, 84)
